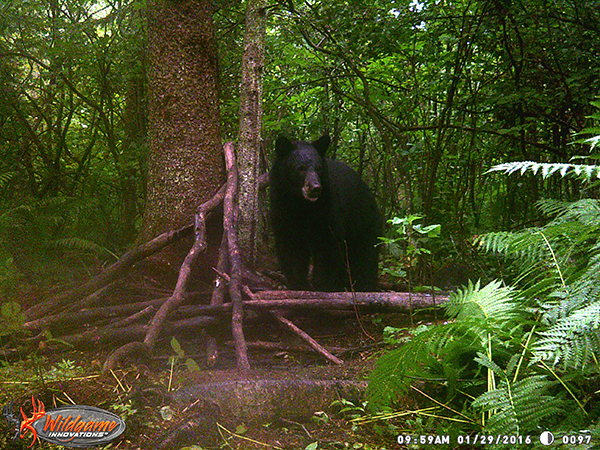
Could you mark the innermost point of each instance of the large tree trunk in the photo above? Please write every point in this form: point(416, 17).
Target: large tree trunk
point(185, 164)
point(249, 140)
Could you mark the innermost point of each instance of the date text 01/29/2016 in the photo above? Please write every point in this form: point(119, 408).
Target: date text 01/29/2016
point(546, 438)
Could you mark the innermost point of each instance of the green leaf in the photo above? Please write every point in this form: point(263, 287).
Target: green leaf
point(177, 348)
point(191, 365)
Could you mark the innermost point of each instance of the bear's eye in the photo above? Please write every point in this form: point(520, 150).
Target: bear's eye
point(303, 168)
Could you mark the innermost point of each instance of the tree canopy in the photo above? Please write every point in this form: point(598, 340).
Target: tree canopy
point(422, 98)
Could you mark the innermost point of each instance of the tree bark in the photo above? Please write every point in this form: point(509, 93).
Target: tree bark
point(135, 126)
point(185, 165)
point(249, 139)
point(235, 290)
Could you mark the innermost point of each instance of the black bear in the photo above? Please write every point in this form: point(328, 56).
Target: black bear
point(322, 211)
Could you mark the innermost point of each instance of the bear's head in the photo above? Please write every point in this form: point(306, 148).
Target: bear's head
point(304, 166)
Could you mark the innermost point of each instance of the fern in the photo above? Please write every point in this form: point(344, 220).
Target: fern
point(6, 178)
point(585, 211)
point(572, 341)
point(446, 353)
point(491, 303)
point(585, 171)
point(520, 245)
point(438, 355)
point(513, 350)
point(79, 244)
point(519, 407)
point(594, 131)
point(488, 354)
point(570, 310)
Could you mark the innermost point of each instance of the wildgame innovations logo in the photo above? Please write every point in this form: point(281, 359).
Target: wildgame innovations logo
point(71, 426)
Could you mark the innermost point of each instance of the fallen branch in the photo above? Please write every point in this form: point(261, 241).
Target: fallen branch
point(87, 316)
point(370, 301)
point(291, 300)
point(180, 291)
point(108, 335)
point(299, 332)
point(114, 271)
point(384, 302)
point(228, 193)
point(229, 224)
point(186, 270)
point(178, 294)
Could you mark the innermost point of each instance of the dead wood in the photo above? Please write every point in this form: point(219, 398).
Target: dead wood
point(235, 292)
point(179, 293)
point(265, 300)
point(90, 315)
point(229, 224)
point(299, 332)
point(370, 301)
point(111, 273)
point(124, 323)
point(390, 302)
point(73, 308)
point(132, 335)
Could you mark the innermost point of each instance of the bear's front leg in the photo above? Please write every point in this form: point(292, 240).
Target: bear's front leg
point(330, 271)
point(294, 260)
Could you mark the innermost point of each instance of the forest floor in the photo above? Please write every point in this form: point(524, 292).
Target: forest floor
point(291, 399)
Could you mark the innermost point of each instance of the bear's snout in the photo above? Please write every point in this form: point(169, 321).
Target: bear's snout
point(312, 188)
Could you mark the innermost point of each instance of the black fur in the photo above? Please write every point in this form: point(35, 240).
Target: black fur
point(321, 211)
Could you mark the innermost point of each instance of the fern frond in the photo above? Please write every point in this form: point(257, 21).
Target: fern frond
point(585, 211)
point(526, 244)
point(548, 257)
point(433, 355)
point(573, 341)
point(74, 243)
point(519, 407)
point(447, 352)
point(552, 207)
point(594, 141)
point(491, 302)
point(6, 178)
point(491, 365)
point(565, 301)
point(496, 242)
point(586, 171)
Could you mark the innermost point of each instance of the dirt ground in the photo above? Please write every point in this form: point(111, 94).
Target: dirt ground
point(305, 401)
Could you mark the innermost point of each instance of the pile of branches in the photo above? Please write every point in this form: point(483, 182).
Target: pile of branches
point(139, 325)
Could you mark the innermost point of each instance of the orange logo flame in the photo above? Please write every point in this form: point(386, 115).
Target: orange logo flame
point(39, 411)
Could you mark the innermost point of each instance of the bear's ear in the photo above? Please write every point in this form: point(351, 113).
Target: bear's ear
point(322, 144)
point(283, 146)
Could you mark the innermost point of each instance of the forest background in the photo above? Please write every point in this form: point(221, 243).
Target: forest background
point(421, 98)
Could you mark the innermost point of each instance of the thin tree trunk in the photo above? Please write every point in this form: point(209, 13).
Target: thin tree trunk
point(135, 125)
point(249, 140)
